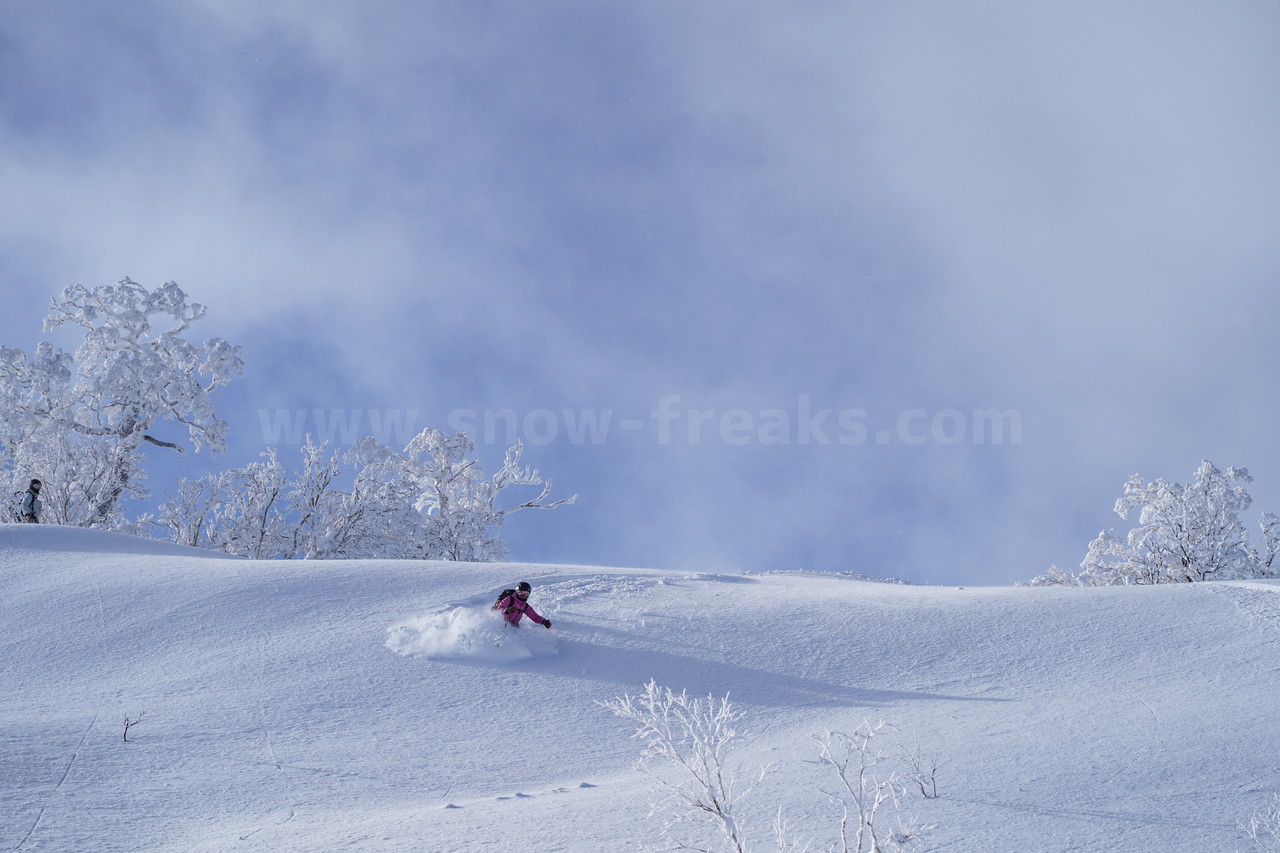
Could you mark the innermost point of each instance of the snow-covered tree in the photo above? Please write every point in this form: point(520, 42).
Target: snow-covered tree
point(250, 518)
point(312, 503)
point(432, 501)
point(377, 517)
point(79, 421)
point(187, 515)
point(462, 519)
point(1184, 533)
point(1053, 577)
point(1267, 559)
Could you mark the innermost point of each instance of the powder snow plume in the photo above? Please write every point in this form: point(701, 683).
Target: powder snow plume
point(473, 632)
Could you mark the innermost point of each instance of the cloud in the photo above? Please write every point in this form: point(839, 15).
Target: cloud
point(1061, 212)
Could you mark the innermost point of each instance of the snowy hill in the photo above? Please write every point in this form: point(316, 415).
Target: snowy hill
point(365, 705)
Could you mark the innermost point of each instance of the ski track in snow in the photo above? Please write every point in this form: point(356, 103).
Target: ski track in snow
point(75, 755)
point(84, 736)
point(282, 776)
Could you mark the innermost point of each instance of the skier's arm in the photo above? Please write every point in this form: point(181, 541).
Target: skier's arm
point(533, 614)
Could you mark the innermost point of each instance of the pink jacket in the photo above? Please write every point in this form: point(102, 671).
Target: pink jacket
point(521, 609)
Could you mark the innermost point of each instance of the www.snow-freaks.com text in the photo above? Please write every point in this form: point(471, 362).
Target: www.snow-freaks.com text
point(669, 422)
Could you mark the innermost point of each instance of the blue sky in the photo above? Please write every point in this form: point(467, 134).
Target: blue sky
point(908, 215)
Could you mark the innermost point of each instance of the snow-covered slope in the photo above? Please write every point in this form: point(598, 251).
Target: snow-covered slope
point(363, 705)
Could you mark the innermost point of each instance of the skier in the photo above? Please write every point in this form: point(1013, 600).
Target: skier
point(31, 505)
point(515, 606)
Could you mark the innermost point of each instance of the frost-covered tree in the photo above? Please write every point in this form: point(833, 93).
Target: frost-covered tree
point(79, 420)
point(187, 515)
point(314, 503)
point(462, 519)
point(431, 501)
point(1184, 533)
point(250, 517)
point(377, 517)
point(1053, 577)
point(1267, 558)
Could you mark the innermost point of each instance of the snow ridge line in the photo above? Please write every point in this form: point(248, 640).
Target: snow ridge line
point(58, 787)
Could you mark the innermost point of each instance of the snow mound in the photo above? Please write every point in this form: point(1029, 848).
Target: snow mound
point(473, 632)
point(85, 540)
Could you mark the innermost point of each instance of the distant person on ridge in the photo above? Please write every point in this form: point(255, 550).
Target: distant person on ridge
point(514, 604)
point(31, 505)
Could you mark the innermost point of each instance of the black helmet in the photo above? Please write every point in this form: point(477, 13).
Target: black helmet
point(523, 586)
point(36, 483)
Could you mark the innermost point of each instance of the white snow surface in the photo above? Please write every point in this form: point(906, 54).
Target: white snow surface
point(380, 706)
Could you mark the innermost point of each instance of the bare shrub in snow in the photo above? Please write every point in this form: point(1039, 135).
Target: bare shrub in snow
point(130, 723)
point(1263, 830)
point(866, 790)
point(687, 743)
point(922, 770)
